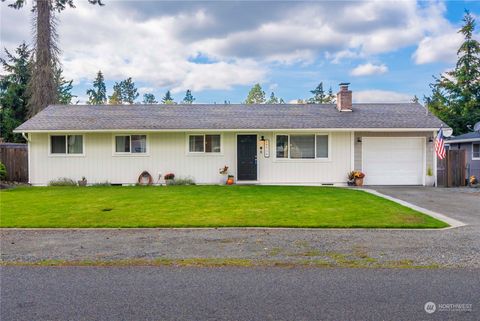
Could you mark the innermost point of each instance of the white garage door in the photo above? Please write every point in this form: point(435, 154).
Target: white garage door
point(393, 161)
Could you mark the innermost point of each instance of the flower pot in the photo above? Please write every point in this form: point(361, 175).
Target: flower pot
point(83, 182)
point(168, 181)
point(358, 181)
point(429, 181)
point(223, 180)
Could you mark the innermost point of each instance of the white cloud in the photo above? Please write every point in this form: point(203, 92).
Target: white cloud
point(369, 69)
point(442, 47)
point(380, 96)
point(155, 42)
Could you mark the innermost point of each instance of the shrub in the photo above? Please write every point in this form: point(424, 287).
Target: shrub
point(3, 172)
point(62, 181)
point(182, 181)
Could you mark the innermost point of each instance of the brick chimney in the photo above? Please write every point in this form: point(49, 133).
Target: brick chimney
point(344, 98)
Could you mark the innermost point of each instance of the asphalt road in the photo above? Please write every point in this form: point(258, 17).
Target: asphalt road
point(166, 293)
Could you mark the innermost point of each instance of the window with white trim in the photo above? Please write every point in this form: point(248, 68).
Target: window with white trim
point(66, 144)
point(131, 144)
point(204, 143)
point(302, 146)
point(476, 150)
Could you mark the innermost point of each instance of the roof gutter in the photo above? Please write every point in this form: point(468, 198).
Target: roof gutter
point(226, 130)
point(466, 140)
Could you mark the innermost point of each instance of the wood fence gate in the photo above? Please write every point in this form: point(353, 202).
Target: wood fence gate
point(451, 170)
point(15, 159)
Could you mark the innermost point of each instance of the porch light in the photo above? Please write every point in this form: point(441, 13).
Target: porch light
point(430, 139)
point(262, 139)
point(359, 139)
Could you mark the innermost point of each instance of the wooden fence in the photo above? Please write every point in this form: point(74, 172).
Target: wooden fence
point(451, 170)
point(15, 159)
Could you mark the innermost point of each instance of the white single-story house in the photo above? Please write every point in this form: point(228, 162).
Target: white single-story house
point(393, 144)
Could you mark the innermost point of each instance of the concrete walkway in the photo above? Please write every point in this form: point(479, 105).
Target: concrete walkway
point(458, 247)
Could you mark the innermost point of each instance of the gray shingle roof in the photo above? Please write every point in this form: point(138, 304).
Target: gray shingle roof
point(465, 137)
point(231, 116)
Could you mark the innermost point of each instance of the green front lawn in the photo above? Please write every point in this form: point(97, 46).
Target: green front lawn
point(204, 206)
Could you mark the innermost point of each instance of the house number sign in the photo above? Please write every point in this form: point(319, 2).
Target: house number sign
point(267, 148)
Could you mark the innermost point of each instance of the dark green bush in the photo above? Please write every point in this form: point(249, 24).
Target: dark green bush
point(3, 172)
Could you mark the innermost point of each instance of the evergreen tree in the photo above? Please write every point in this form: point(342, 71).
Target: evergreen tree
point(318, 95)
point(415, 99)
point(124, 92)
point(189, 99)
point(281, 101)
point(330, 97)
point(168, 99)
point(98, 94)
point(256, 95)
point(455, 95)
point(13, 91)
point(42, 86)
point(64, 88)
point(116, 97)
point(273, 99)
point(149, 99)
point(129, 91)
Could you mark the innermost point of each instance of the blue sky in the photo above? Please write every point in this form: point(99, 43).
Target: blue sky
point(388, 51)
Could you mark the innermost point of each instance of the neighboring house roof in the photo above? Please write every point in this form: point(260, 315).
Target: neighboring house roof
point(228, 116)
point(465, 138)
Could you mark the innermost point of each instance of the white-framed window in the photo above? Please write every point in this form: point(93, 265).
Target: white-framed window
point(204, 143)
point(62, 145)
point(302, 146)
point(130, 144)
point(476, 151)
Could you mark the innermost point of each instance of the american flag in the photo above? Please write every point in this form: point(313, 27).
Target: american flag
point(440, 145)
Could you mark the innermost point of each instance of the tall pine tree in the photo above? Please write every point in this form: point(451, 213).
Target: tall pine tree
point(455, 95)
point(98, 94)
point(189, 99)
point(168, 99)
point(13, 91)
point(42, 86)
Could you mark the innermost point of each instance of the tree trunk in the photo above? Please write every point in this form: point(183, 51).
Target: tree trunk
point(42, 86)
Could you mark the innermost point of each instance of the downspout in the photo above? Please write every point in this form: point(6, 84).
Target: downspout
point(24, 135)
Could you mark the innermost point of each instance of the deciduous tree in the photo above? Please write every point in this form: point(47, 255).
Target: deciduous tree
point(256, 95)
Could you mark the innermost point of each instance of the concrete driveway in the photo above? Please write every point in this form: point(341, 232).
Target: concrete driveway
point(462, 204)
point(457, 247)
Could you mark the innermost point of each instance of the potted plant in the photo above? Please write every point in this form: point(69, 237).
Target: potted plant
point(351, 178)
point(430, 180)
point(473, 181)
point(82, 182)
point(224, 172)
point(169, 178)
point(230, 180)
point(359, 178)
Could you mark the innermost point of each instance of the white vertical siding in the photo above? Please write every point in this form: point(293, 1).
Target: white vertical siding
point(315, 171)
point(167, 152)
